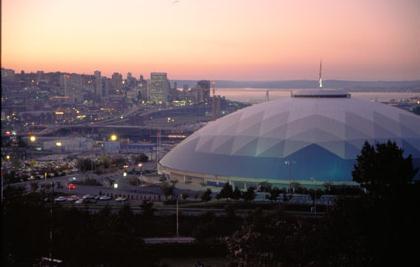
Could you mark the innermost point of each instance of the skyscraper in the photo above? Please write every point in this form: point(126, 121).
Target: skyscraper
point(64, 84)
point(203, 91)
point(142, 87)
point(159, 87)
point(116, 82)
point(98, 84)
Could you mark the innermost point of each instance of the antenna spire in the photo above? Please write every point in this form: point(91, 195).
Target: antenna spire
point(320, 74)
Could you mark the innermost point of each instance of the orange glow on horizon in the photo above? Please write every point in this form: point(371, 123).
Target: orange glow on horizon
point(218, 39)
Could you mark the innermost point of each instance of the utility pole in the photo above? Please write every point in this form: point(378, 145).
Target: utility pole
point(177, 218)
point(320, 74)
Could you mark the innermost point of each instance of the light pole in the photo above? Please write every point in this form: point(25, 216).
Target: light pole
point(313, 180)
point(177, 217)
point(289, 164)
point(140, 165)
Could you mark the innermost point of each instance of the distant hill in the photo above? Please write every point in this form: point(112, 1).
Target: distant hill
point(348, 85)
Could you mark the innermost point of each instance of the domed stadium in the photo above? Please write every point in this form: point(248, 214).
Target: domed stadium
point(313, 136)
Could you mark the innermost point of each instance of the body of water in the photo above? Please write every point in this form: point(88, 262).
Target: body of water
point(258, 95)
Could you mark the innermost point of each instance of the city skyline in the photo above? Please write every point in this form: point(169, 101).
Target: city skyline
point(237, 40)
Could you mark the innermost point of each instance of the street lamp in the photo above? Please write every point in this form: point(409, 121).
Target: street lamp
point(58, 143)
point(289, 164)
point(32, 138)
point(113, 137)
point(124, 174)
point(115, 186)
point(313, 180)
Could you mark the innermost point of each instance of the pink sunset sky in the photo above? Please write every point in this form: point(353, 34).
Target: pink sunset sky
point(215, 39)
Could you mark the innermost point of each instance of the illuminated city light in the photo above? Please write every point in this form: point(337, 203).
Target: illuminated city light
point(113, 137)
point(58, 143)
point(32, 138)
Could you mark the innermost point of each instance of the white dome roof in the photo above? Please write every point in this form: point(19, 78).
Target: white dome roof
point(316, 135)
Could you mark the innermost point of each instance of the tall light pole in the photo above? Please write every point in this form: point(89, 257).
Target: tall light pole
point(289, 164)
point(177, 217)
point(313, 180)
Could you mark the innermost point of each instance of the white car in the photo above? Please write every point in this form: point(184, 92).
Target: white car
point(88, 197)
point(73, 198)
point(79, 201)
point(105, 198)
point(121, 199)
point(60, 199)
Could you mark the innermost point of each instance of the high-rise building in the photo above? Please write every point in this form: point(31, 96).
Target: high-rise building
point(202, 91)
point(142, 88)
point(64, 84)
point(130, 81)
point(117, 82)
point(159, 87)
point(7, 74)
point(76, 87)
point(106, 86)
point(98, 84)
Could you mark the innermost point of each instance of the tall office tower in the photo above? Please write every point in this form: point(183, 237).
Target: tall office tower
point(106, 86)
point(215, 102)
point(159, 87)
point(173, 92)
point(76, 87)
point(39, 76)
point(117, 82)
point(7, 74)
point(131, 81)
point(203, 93)
point(98, 83)
point(64, 84)
point(142, 87)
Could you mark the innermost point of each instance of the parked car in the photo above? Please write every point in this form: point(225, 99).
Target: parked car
point(73, 198)
point(60, 199)
point(121, 199)
point(79, 201)
point(105, 198)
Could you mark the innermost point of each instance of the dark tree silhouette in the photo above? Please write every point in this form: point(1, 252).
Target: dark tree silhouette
point(383, 168)
point(237, 194)
point(206, 196)
point(249, 194)
point(226, 191)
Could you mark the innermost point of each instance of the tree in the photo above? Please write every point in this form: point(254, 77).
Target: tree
point(237, 194)
point(264, 187)
point(296, 187)
point(120, 161)
point(226, 191)
point(383, 168)
point(147, 208)
point(140, 158)
point(184, 196)
point(85, 164)
point(34, 186)
point(249, 194)
point(206, 196)
point(105, 161)
point(167, 189)
point(274, 194)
